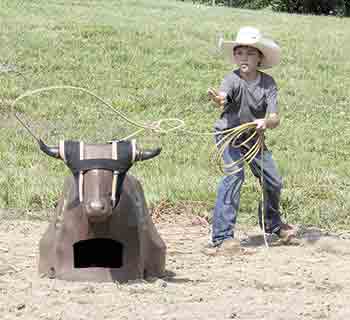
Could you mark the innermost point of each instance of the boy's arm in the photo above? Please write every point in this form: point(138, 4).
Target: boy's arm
point(272, 119)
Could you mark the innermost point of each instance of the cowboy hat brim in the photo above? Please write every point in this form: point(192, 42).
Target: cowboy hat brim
point(270, 50)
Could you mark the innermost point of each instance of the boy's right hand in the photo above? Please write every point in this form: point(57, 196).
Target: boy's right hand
point(218, 97)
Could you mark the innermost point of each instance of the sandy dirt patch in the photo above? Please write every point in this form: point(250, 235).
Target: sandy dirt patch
point(310, 281)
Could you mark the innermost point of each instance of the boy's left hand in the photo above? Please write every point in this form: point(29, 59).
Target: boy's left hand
point(260, 125)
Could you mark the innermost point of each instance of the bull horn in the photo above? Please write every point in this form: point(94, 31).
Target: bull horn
point(147, 154)
point(50, 151)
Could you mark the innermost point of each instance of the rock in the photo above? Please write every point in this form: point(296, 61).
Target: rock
point(161, 283)
point(20, 306)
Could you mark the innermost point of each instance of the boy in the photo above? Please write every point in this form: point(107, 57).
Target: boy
point(248, 95)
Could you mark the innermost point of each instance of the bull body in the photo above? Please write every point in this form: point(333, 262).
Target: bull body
point(91, 241)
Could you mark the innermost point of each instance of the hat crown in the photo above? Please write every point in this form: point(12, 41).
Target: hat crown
point(248, 35)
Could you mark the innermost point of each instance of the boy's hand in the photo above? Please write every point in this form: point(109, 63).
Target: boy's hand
point(272, 121)
point(260, 125)
point(218, 97)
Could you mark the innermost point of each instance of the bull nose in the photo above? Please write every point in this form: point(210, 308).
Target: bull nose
point(97, 206)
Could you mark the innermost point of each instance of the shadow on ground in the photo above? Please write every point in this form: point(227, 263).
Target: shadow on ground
point(305, 236)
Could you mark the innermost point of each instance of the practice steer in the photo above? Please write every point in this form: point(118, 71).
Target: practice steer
point(102, 230)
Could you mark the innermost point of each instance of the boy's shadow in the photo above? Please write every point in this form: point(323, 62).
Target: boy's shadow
point(305, 235)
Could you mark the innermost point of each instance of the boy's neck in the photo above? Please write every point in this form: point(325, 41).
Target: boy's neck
point(249, 76)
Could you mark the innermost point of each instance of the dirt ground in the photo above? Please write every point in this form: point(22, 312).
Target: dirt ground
point(309, 281)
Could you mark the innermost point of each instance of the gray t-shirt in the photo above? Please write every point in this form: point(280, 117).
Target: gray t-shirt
point(246, 101)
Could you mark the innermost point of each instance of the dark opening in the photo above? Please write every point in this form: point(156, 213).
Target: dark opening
point(104, 253)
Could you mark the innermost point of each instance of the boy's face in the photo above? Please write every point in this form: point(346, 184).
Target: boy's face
point(247, 58)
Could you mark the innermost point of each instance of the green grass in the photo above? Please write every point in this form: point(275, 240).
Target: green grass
point(155, 59)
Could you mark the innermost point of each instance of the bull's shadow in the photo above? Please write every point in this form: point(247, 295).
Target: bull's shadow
point(102, 229)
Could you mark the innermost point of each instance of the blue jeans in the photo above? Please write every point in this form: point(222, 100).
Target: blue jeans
point(228, 195)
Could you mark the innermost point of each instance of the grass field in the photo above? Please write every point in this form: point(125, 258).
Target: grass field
point(156, 59)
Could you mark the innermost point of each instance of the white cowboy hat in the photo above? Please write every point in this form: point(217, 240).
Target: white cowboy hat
point(252, 37)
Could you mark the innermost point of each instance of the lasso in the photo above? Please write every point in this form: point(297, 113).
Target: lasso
point(230, 137)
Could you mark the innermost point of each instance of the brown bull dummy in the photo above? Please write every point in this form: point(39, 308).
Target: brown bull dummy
point(102, 230)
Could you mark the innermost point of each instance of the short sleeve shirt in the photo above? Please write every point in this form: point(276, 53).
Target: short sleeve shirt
point(246, 101)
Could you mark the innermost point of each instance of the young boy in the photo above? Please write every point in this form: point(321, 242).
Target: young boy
point(248, 95)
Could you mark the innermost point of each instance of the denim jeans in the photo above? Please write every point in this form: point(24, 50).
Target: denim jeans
point(228, 194)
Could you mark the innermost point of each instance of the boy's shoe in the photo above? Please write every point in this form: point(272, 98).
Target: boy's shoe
point(287, 233)
point(210, 249)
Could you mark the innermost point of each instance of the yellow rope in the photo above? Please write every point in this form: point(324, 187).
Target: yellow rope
point(232, 137)
point(262, 193)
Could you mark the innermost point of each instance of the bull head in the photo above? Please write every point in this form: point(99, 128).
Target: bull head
point(99, 171)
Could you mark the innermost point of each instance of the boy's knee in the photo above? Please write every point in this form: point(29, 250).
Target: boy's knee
point(276, 184)
point(273, 183)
